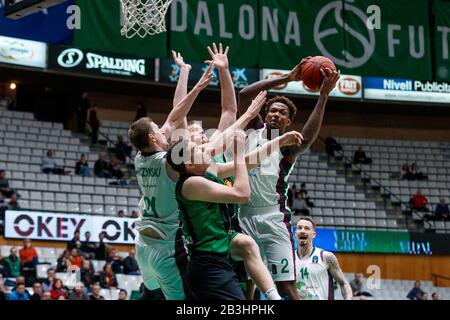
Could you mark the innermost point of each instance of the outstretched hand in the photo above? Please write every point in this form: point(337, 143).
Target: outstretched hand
point(206, 78)
point(291, 138)
point(218, 56)
point(257, 104)
point(296, 73)
point(330, 78)
point(179, 61)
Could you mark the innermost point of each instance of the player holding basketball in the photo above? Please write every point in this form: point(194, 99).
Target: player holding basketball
point(266, 217)
point(160, 249)
point(316, 268)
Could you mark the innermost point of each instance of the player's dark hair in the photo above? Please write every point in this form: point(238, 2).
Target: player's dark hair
point(176, 151)
point(139, 131)
point(286, 101)
point(308, 218)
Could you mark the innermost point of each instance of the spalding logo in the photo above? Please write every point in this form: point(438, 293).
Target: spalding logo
point(349, 86)
point(274, 75)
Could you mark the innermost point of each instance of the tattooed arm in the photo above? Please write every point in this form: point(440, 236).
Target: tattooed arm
point(335, 270)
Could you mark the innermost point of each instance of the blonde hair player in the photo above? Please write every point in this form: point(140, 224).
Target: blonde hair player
point(316, 268)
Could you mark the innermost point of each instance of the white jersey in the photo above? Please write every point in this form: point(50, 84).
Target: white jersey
point(314, 282)
point(268, 182)
point(158, 206)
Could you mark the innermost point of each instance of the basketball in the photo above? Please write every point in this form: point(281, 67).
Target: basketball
point(311, 75)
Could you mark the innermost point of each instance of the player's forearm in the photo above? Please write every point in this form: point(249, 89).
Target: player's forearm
point(312, 127)
point(247, 94)
point(180, 111)
point(181, 90)
point(254, 158)
point(228, 99)
point(346, 291)
point(241, 185)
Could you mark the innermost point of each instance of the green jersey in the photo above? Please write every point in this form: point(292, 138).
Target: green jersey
point(207, 224)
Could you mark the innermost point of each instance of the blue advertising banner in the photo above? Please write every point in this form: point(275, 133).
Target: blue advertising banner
point(48, 26)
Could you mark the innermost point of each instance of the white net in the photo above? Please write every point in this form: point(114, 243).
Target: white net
point(143, 17)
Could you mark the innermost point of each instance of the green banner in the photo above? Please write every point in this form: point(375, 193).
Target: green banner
point(195, 24)
point(398, 47)
point(100, 30)
point(441, 11)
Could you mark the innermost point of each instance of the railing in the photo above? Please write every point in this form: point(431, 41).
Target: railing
point(438, 276)
point(348, 162)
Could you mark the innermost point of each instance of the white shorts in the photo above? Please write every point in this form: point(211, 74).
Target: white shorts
point(271, 229)
point(157, 261)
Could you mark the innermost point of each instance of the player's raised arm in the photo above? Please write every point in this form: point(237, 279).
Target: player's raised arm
point(228, 96)
point(247, 94)
point(180, 111)
point(254, 158)
point(201, 189)
point(312, 127)
point(335, 270)
point(218, 143)
point(182, 85)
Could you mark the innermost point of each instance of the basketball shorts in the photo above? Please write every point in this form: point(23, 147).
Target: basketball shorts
point(271, 229)
point(161, 263)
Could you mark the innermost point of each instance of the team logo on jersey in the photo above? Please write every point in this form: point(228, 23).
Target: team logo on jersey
point(315, 259)
point(228, 183)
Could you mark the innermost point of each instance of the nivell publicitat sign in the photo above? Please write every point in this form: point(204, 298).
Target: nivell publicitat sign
point(23, 52)
point(101, 63)
point(406, 90)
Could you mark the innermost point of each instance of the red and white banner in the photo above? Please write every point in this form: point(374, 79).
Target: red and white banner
point(61, 227)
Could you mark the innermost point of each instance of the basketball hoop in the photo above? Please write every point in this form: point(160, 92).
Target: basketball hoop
point(143, 17)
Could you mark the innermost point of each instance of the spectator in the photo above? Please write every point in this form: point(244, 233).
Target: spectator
point(331, 145)
point(300, 207)
point(290, 195)
point(88, 247)
point(47, 284)
point(57, 289)
point(5, 190)
point(63, 261)
point(357, 286)
point(75, 259)
point(416, 293)
point(94, 123)
point(49, 165)
point(130, 265)
point(442, 211)
point(107, 277)
point(425, 296)
point(20, 293)
point(360, 157)
point(134, 214)
point(13, 204)
point(82, 167)
point(61, 297)
point(123, 294)
point(46, 296)
point(122, 150)
point(115, 260)
point(434, 296)
point(419, 202)
point(405, 173)
point(28, 255)
point(416, 174)
point(304, 192)
point(37, 291)
point(83, 107)
point(78, 293)
point(95, 295)
point(102, 168)
point(3, 290)
point(141, 111)
point(12, 263)
point(116, 167)
point(120, 214)
point(87, 274)
point(100, 247)
point(75, 242)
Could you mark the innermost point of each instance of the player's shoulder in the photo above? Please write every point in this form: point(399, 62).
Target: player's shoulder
point(325, 255)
